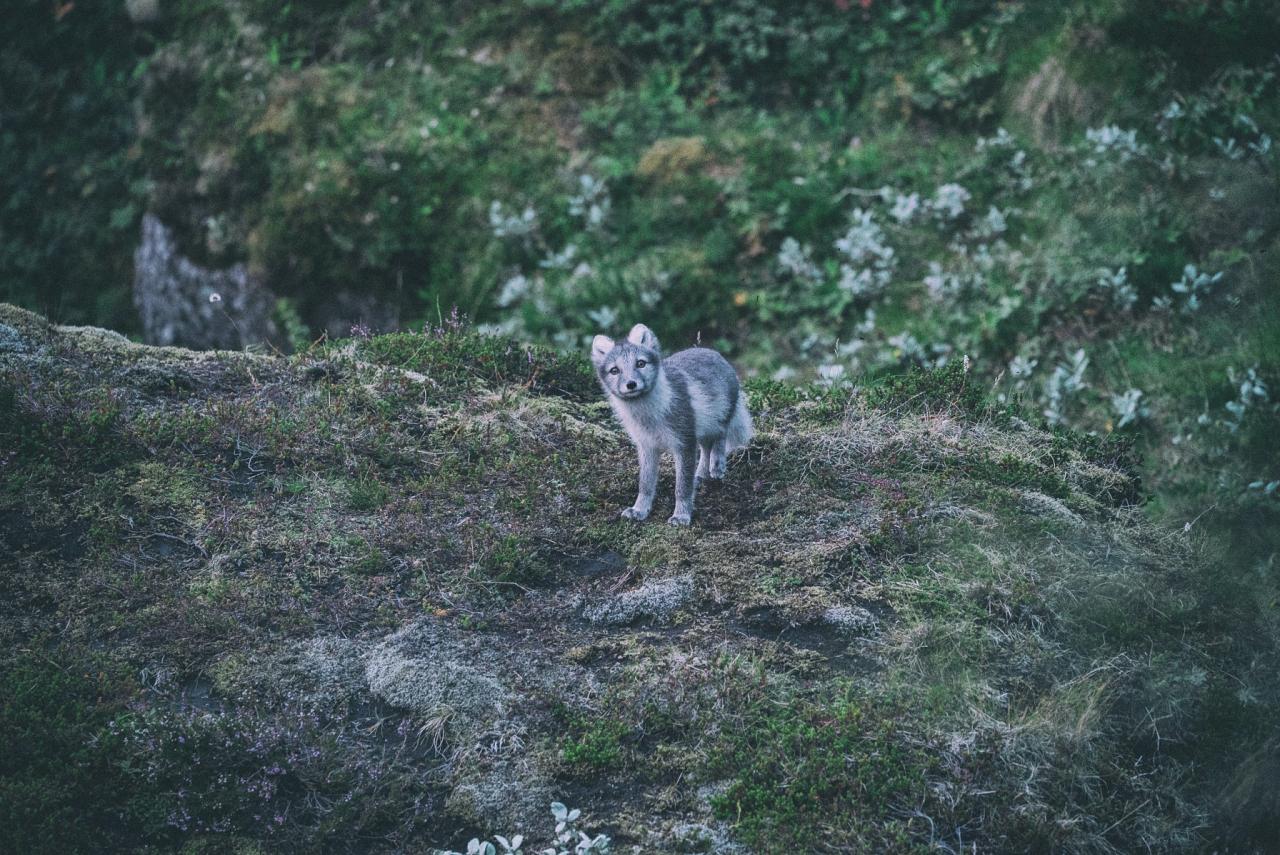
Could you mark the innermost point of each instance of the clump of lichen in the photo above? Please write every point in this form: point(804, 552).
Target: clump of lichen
point(655, 600)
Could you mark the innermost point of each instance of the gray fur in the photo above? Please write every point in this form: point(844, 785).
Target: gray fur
point(689, 404)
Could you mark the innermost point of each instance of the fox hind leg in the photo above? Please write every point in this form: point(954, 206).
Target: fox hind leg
point(705, 452)
point(716, 465)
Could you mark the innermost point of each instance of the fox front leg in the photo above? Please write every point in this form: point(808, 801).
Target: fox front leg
point(648, 484)
point(686, 463)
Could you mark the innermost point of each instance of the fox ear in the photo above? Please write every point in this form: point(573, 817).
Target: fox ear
point(600, 347)
point(643, 336)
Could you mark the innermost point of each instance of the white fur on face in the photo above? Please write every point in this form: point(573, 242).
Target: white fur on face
point(640, 416)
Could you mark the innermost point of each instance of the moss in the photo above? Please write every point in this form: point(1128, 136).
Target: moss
point(950, 388)
point(811, 772)
point(366, 493)
point(454, 358)
point(673, 157)
point(512, 559)
point(658, 600)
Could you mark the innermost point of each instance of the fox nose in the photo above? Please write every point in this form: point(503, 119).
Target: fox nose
point(631, 384)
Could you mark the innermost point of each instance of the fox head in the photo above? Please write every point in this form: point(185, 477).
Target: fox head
point(627, 369)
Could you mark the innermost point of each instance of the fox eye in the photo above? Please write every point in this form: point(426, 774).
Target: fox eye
point(613, 370)
point(640, 363)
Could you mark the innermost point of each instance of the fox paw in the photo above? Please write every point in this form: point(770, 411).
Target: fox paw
point(680, 519)
point(717, 472)
point(633, 514)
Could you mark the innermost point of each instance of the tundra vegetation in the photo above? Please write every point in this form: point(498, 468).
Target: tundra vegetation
point(999, 569)
point(376, 595)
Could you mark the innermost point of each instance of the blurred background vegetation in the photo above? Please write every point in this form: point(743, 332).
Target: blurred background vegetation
point(1079, 197)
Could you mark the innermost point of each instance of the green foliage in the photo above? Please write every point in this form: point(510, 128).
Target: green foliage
point(950, 387)
point(594, 745)
point(836, 766)
point(61, 789)
point(72, 189)
point(67, 427)
point(366, 493)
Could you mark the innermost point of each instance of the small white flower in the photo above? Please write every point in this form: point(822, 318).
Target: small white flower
point(1021, 367)
point(513, 290)
point(797, 260)
point(830, 374)
point(1129, 407)
point(215, 297)
point(948, 200)
point(994, 222)
point(1002, 139)
point(784, 372)
point(562, 260)
point(1116, 283)
point(1229, 148)
point(1111, 140)
point(905, 207)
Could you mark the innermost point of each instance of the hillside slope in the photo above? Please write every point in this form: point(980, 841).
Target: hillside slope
point(377, 596)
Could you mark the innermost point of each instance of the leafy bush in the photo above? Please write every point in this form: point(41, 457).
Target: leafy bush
point(72, 186)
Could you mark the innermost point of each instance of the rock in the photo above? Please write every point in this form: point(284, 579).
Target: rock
point(181, 303)
point(142, 11)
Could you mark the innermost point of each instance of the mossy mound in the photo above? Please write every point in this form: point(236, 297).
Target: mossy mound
point(382, 587)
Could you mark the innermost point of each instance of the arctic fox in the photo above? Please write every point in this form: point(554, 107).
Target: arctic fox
point(688, 403)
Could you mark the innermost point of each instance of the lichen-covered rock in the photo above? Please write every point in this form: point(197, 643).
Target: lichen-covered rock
point(656, 600)
point(504, 792)
point(849, 619)
point(415, 671)
point(326, 671)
